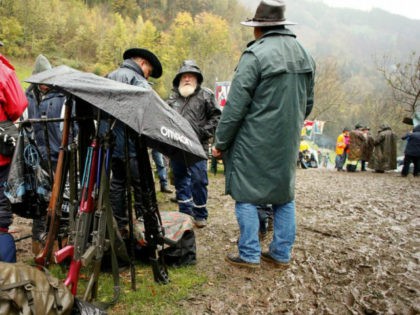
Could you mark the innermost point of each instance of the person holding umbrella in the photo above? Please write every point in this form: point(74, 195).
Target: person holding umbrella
point(139, 64)
point(199, 106)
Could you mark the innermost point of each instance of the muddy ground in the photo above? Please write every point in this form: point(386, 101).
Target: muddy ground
point(357, 250)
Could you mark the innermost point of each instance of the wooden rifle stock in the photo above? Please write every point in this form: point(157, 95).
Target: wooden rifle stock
point(54, 206)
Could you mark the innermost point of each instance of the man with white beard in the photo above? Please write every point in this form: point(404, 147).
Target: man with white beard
point(198, 105)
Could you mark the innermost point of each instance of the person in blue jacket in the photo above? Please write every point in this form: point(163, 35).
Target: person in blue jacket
point(45, 102)
point(412, 152)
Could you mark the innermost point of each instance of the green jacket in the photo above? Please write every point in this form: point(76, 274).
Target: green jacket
point(259, 130)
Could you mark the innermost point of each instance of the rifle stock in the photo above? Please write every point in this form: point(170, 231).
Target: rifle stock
point(54, 206)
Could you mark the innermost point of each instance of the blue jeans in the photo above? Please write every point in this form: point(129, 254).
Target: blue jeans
point(191, 188)
point(340, 160)
point(283, 236)
point(161, 169)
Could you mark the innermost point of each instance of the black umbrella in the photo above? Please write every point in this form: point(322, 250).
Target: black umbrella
point(141, 109)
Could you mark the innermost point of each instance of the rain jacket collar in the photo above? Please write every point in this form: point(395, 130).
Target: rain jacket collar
point(276, 32)
point(130, 64)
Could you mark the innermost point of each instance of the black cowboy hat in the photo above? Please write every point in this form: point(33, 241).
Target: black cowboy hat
point(149, 56)
point(269, 13)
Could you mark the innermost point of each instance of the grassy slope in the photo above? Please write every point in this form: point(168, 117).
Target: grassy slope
point(23, 69)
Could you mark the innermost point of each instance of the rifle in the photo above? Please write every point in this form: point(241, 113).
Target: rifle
point(153, 227)
point(130, 209)
point(73, 180)
point(83, 219)
point(102, 225)
point(54, 206)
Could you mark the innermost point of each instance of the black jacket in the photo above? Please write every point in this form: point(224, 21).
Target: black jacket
point(201, 111)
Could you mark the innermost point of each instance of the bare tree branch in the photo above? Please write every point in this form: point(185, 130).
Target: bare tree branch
point(404, 80)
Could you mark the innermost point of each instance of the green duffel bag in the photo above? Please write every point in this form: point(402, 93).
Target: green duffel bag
point(29, 291)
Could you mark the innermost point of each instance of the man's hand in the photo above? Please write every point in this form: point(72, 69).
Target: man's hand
point(217, 154)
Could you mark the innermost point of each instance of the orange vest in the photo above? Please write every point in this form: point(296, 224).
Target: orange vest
point(340, 145)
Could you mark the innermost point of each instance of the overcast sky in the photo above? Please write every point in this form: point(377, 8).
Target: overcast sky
point(408, 8)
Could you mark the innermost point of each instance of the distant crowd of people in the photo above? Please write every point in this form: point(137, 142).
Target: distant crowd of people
point(379, 153)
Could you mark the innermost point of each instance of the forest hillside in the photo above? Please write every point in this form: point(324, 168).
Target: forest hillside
point(349, 46)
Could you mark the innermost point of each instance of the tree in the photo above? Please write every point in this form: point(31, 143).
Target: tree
point(126, 8)
point(404, 80)
point(115, 42)
point(88, 35)
point(213, 49)
point(330, 96)
point(178, 45)
point(11, 33)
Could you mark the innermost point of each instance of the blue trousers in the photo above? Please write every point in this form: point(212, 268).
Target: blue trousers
point(7, 248)
point(340, 160)
point(191, 188)
point(284, 234)
point(161, 168)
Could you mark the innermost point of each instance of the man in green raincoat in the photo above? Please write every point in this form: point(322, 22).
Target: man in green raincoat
point(259, 133)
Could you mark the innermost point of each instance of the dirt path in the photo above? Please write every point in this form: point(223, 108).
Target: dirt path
point(357, 250)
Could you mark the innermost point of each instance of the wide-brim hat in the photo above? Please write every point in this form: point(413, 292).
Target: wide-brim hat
point(149, 56)
point(269, 13)
point(188, 66)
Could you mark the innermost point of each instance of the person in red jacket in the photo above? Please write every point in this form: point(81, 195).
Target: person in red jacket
point(12, 104)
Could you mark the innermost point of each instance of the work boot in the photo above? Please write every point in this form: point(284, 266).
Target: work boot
point(266, 256)
point(239, 262)
point(165, 190)
point(200, 223)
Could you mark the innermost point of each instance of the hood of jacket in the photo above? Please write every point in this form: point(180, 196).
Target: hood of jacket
point(41, 64)
point(384, 127)
point(188, 66)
